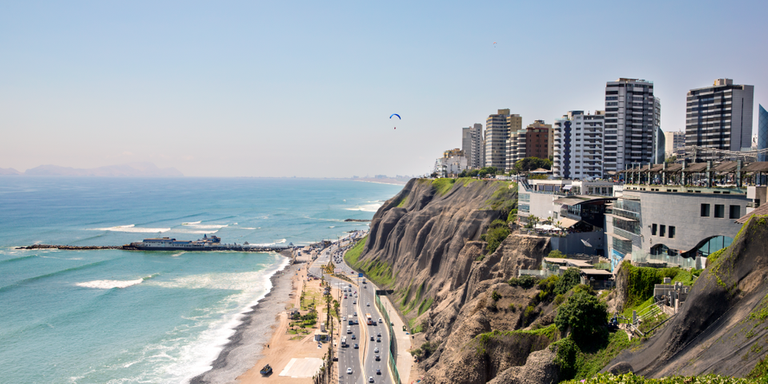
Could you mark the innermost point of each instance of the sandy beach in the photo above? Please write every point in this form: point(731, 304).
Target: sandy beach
point(284, 346)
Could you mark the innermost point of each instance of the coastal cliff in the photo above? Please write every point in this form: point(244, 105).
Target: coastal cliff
point(427, 246)
point(722, 327)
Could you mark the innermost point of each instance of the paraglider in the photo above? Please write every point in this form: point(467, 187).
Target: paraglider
point(398, 117)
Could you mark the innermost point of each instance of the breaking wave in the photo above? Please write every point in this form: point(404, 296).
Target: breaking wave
point(131, 228)
point(109, 284)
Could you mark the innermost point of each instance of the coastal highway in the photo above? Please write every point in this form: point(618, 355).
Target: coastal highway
point(349, 357)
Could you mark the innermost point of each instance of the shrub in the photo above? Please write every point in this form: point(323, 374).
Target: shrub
point(525, 281)
point(567, 357)
point(547, 287)
point(495, 236)
point(495, 296)
point(556, 254)
point(568, 280)
point(583, 313)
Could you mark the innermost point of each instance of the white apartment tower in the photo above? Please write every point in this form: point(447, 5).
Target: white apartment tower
point(497, 130)
point(719, 117)
point(632, 117)
point(578, 145)
point(472, 145)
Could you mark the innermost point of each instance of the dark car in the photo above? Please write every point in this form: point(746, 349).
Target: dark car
point(357, 346)
point(378, 371)
point(378, 358)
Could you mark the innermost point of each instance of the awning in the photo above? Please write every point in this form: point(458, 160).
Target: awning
point(758, 166)
point(617, 236)
point(567, 187)
point(566, 222)
point(620, 217)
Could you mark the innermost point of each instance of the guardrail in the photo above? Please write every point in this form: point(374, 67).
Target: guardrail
point(392, 340)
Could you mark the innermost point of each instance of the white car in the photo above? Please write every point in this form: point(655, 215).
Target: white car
point(349, 371)
point(376, 350)
point(370, 379)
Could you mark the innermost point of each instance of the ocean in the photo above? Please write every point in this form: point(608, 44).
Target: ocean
point(111, 316)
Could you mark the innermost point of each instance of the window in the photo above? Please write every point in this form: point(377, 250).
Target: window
point(662, 230)
point(671, 231)
point(653, 230)
point(719, 210)
point(735, 212)
point(705, 210)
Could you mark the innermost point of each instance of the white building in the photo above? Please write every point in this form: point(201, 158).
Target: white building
point(452, 163)
point(632, 117)
point(719, 117)
point(674, 142)
point(578, 145)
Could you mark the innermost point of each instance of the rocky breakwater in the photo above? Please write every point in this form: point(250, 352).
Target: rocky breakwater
point(427, 245)
point(77, 247)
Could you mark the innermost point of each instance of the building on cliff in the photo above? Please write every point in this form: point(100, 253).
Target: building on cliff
point(576, 208)
point(677, 215)
point(497, 130)
point(531, 141)
point(452, 163)
point(578, 145)
point(631, 122)
point(472, 145)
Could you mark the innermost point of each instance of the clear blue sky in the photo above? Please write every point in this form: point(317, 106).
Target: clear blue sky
point(284, 88)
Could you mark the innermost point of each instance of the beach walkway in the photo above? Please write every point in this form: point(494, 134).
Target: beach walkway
point(404, 358)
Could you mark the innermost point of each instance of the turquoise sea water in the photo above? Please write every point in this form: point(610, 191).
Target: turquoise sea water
point(147, 317)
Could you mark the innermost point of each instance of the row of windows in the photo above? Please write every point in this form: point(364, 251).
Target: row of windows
point(662, 230)
point(734, 211)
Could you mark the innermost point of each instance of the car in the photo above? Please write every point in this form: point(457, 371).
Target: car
point(353, 337)
point(378, 371)
point(378, 340)
point(367, 304)
point(380, 320)
point(370, 379)
point(357, 346)
point(349, 371)
point(372, 338)
point(378, 334)
point(354, 302)
point(378, 358)
point(354, 314)
point(376, 350)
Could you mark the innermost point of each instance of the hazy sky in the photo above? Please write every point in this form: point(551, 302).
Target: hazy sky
point(284, 88)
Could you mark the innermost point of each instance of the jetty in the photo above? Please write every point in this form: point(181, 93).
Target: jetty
point(128, 247)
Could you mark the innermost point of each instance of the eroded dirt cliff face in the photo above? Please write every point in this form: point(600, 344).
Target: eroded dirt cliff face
point(722, 326)
point(432, 243)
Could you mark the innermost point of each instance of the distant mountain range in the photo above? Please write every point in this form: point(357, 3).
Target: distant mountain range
point(122, 170)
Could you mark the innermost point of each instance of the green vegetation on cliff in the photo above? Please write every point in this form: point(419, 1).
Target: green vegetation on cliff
point(642, 279)
point(629, 378)
point(354, 253)
point(442, 186)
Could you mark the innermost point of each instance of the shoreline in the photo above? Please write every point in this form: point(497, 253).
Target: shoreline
point(244, 348)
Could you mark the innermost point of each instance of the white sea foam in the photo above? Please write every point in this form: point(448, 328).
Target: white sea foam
point(109, 284)
point(373, 207)
point(206, 226)
point(193, 357)
point(200, 232)
point(131, 228)
point(191, 223)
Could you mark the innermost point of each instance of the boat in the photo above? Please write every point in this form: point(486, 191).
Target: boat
point(267, 370)
point(212, 243)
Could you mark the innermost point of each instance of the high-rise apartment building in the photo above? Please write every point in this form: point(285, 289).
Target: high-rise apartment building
point(472, 144)
point(531, 141)
point(578, 145)
point(497, 130)
point(719, 117)
point(673, 142)
point(632, 116)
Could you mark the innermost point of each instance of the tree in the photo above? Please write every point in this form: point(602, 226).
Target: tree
point(671, 160)
point(531, 163)
point(583, 314)
point(568, 280)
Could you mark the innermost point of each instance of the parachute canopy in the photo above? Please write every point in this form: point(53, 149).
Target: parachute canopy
point(395, 114)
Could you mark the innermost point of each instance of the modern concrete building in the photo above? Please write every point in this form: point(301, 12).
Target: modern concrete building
point(472, 145)
point(762, 133)
point(720, 118)
point(673, 224)
point(577, 207)
point(659, 146)
point(631, 117)
point(578, 145)
point(532, 141)
point(673, 142)
point(497, 130)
